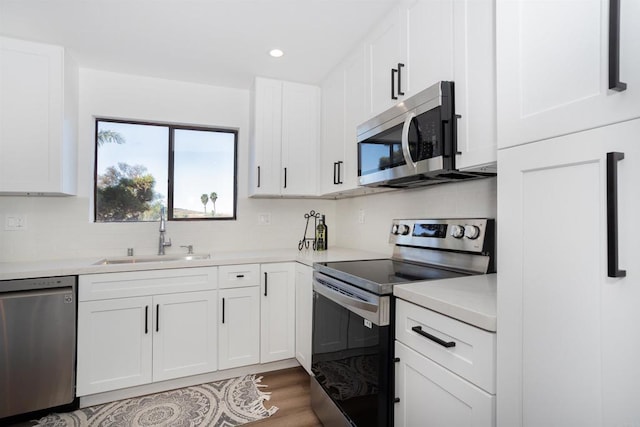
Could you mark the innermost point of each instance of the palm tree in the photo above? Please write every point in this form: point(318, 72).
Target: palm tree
point(204, 199)
point(107, 136)
point(214, 196)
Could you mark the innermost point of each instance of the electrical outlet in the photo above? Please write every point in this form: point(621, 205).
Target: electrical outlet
point(13, 222)
point(264, 218)
point(361, 216)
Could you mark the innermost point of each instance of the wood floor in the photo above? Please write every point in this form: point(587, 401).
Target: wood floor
point(289, 390)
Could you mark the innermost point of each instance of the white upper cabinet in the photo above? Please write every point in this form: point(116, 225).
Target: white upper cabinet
point(38, 119)
point(386, 50)
point(418, 44)
point(554, 67)
point(474, 74)
point(343, 107)
point(284, 138)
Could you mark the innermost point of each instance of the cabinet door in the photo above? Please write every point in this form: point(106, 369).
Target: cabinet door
point(385, 50)
point(355, 113)
point(553, 68)
point(277, 312)
point(184, 334)
point(430, 47)
point(304, 314)
point(239, 327)
point(266, 137)
point(474, 74)
point(333, 120)
point(114, 344)
point(32, 150)
point(566, 356)
point(300, 136)
point(431, 396)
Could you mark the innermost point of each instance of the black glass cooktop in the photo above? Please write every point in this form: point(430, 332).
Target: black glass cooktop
point(379, 275)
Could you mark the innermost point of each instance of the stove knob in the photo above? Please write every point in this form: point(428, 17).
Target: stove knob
point(471, 232)
point(457, 231)
point(404, 229)
point(394, 229)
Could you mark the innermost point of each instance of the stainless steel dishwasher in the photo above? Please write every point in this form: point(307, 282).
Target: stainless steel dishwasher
point(37, 344)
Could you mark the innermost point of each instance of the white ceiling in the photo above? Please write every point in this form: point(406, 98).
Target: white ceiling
point(218, 42)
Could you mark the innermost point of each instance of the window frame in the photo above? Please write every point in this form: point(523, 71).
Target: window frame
point(171, 127)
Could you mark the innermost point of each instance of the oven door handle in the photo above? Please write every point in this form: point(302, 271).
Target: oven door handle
point(343, 300)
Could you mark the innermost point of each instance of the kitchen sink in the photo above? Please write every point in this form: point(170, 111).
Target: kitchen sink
point(151, 258)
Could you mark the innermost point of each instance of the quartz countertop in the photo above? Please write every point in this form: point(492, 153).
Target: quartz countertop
point(66, 267)
point(470, 299)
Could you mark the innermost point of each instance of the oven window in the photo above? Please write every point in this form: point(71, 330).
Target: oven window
point(349, 361)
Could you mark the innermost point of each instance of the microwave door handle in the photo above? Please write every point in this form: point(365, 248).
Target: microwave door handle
point(405, 140)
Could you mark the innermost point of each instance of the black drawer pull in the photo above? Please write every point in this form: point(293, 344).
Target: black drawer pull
point(418, 330)
point(265, 284)
point(239, 276)
point(396, 400)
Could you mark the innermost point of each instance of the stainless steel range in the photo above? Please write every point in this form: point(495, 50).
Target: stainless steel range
point(353, 313)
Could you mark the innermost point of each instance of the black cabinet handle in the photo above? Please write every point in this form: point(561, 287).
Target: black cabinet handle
point(258, 176)
point(239, 276)
point(393, 83)
point(265, 284)
point(612, 215)
point(146, 320)
point(396, 400)
point(418, 330)
point(400, 66)
point(614, 47)
point(340, 172)
point(335, 175)
point(285, 177)
point(223, 310)
point(157, 317)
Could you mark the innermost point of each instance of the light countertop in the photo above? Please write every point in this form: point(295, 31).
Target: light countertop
point(66, 267)
point(470, 299)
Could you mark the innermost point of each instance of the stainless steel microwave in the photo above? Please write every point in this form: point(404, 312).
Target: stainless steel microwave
point(413, 143)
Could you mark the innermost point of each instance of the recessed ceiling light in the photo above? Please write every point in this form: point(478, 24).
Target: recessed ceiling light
point(276, 53)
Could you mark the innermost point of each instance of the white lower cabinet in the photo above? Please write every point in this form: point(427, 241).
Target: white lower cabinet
point(114, 344)
point(432, 396)
point(163, 327)
point(277, 311)
point(304, 314)
point(438, 385)
point(184, 339)
point(239, 327)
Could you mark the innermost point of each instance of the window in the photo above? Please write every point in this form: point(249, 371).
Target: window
point(142, 167)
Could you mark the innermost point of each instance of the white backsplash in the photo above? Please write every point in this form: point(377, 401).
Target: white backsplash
point(471, 199)
point(62, 227)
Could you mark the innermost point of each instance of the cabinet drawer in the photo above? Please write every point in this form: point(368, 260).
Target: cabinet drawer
point(239, 276)
point(432, 396)
point(473, 356)
point(141, 283)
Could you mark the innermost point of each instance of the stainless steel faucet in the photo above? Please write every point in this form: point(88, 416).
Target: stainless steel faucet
point(163, 228)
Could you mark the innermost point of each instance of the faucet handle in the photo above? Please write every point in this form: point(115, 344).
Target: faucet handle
point(189, 249)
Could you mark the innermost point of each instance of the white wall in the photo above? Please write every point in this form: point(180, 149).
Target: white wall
point(63, 228)
point(471, 199)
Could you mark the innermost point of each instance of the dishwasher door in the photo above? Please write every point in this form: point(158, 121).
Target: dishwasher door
point(37, 344)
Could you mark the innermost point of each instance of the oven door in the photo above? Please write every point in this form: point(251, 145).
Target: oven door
point(351, 354)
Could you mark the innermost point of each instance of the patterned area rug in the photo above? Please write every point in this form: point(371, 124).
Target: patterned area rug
point(224, 403)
